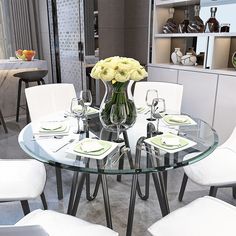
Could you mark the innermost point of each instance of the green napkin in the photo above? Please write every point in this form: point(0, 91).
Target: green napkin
point(105, 146)
point(158, 140)
point(176, 119)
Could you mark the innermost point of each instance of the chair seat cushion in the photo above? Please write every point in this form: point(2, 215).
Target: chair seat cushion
point(219, 168)
point(58, 224)
point(21, 179)
point(203, 217)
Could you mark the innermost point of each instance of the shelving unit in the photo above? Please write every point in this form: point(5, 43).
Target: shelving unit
point(209, 88)
point(217, 47)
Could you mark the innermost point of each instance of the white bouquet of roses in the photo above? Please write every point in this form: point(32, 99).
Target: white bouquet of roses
point(118, 69)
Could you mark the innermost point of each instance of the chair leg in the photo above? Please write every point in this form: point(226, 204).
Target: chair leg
point(18, 100)
point(25, 207)
point(182, 188)
point(59, 183)
point(27, 109)
point(42, 80)
point(234, 192)
point(213, 191)
point(43, 199)
point(3, 122)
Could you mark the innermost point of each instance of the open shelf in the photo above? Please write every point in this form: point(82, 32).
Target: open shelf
point(176, 3)
point(183, 35)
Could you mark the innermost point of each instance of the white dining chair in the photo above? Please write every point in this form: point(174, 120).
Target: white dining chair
point(217, 170)
point(172, 93)
point(203, 217)
point(22, 180)
point(52, 223)
point(48, 99)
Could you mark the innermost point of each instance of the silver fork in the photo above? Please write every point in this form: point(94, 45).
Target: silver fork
point(70, 141)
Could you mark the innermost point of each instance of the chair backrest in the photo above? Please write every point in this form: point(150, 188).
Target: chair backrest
point(26, 230)
point(172, 93)
point(50, 98)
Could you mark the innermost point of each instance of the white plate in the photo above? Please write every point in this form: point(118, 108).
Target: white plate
point(70, 149)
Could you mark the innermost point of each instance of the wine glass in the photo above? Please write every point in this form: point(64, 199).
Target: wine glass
point(150, 95)
point(158, 106)
point(86, 96)
point(77, 108)
point(118, 116)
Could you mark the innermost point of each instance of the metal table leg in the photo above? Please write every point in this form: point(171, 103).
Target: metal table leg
point(132, 205)
point(106, 201)
point(72, 192)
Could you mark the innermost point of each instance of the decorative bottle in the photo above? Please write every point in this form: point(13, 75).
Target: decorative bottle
point(183, 26)
point(170, 26)
point(197, 25)
point(212, 25)
point(176, 56)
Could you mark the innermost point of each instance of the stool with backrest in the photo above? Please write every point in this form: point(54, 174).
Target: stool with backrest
point(218, 170)
point(51, 98)
point(22, 180)
point(28, 77)
point(2, 121)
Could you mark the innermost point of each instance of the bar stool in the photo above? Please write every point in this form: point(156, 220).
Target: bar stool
point(2, 121)
point(27, 77)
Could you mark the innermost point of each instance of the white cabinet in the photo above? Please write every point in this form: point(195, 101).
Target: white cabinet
point(225, 110)
point(162, 74)
point(199, 94)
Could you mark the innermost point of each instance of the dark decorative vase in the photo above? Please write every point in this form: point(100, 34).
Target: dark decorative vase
point(212, 25)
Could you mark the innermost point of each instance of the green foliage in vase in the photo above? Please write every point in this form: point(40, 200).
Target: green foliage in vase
point(119, 97)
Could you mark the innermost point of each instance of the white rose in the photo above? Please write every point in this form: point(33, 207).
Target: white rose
point(107, 74)
point(96, 72)
point(138, 74)
point(121, 76)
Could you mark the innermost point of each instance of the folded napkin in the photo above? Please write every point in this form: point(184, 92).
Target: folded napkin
point(177, 119)
point(92, 147)
point(52, 126)
point(142, 109)
point(169, 141)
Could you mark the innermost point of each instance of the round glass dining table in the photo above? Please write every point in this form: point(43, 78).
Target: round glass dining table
point(139, 154)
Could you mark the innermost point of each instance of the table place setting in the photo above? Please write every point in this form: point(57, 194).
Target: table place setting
point(169, 142)
point(178, 120)
point(50, 128)
point(92, 148)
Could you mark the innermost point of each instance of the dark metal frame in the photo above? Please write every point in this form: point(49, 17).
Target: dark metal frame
point(2, 121)
point(212, 191)
point(80, 178)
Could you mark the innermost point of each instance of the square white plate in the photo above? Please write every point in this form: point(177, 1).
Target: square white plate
point(190, 143)
point(178, 118)
point(70, 149)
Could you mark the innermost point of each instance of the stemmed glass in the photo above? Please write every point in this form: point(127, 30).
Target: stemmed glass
point(118, 117)
point(150, 95)
point(86, 96)
point(77, 108)
point(158, 106)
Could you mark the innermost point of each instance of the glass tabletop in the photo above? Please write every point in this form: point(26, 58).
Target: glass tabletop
point(156, 153)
